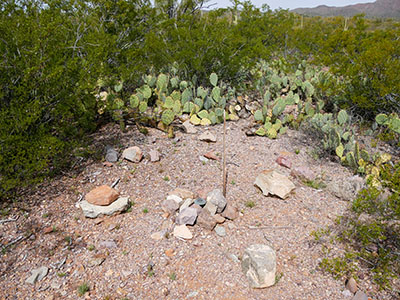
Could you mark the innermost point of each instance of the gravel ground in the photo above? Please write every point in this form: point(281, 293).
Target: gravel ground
point(206, 267)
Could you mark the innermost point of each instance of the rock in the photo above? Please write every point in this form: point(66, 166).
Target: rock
point(109, 244)
point(96, 260)
point(205, 220)
point(259, 265)
point(203, 159)
point(284, 162)
point(192, 294)
point(211, 208)
point(273, 182)
point(217, 198)
point(111, 154)
point(219, 219)
point(208, 137)
point(175, 198)
point(198, 208)
point(154, 155)
point(181, 231)
point(133, 154)
point(230, 212)
point(200, 202)
point(182, 193)
point(351, 285)
point(102, 195)
point(37, 275)
point(186, 204)
point(158, 236)
point(211, 155)
point(303, 173)
point(360, 296)
point(347, 293)
point(170, 205)
point(347, 188)
point(189, 127)
point(187, 216)
point(220, 230)
point(93, 211)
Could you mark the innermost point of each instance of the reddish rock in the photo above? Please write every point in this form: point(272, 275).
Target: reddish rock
point(211, 155)
point(219, 219)
point(102, 195)
point(133, 154)
point(205, 220)
point(284, 162)
point(107, 164)
point(230, 212)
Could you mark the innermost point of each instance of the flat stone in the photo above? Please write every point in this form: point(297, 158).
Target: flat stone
point(187, 216)
point(133, 154)
point(219, 219)
point(108, 244)
point(94, 211)
point(102, 195)
point(274, 183)
point(111, 154)
point(154, 155)
point(217, 198)
point(186, 203)
point(303, 173)
point(170, 205)
point(211, 208)
point(181, 231)
point(220, 230)
point(189, 127)
point(37, 275)
point(182, 193)
point(198, 208)
point(208, 137)
point(96, 260)
point(157, 236)
point(259, 265)
point(203, 159)
point(230, 212)
point(284, 162)
point(360, 295)
point(175, 198)
point(211, 155)
point(205, 220)
point(351, 285)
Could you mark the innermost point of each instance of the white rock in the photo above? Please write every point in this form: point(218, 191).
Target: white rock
point(217, 198)
point(37, 275)
point(133, 154)
point(189, 127)
point(207, 137)
point(181, 231)
point(93, 211)
point(273, 182)
point(176, 198)
point(154, 155)
point(259, 265)
point(186, 203)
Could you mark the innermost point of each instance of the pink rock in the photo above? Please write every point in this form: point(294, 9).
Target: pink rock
point(102, 195)
point(230, 212)
point(284, 162)
point(133, 154)
point(211, 155)
point(303, 173)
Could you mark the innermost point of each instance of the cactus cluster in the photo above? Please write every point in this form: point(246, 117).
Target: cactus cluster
point(392, 121)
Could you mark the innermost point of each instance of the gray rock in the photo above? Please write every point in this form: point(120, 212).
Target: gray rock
point(220, 230)
point(203, 159)
point(93, 211)
point(108, 244)
point(37, 275)
point(200, 202)
point(351, 285)
point(96, 260)
point(198, 208)
point(154, 155)
point(346, 188)
point(210, 208)
point(205, 220)
point(192, 294)
point(111, 154)
point(303, 173)
point(217, 198)
point(186, 204)
point(187, 216)
point(273, 182)
point(133, 154)
point(360, 295)
point(207, 137)
point(170, 205)
point(189, 127)
point(259, 265)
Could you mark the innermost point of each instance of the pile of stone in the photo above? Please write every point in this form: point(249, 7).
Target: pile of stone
point(189, 210)
point(103, 200)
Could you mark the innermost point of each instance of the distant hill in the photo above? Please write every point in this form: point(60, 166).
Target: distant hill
point(377, 9)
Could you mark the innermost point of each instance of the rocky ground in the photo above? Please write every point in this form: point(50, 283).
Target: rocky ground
point(136, 255)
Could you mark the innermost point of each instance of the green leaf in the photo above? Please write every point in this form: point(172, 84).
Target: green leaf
point(118, 87)
point(213, 79)
point(142, 106)
point(169, 102)
point(382, 119)
point(134, 101)
point(167, 117)
point(203, 114)
point(261, 131)
point(258, 115)
point(340, 150)
point(195, 120)
point(342, 117)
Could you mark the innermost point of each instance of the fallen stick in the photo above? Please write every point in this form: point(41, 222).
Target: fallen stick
point(8, 220)
point(224, 173)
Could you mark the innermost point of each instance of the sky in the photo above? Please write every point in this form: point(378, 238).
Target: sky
point(285, 4)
